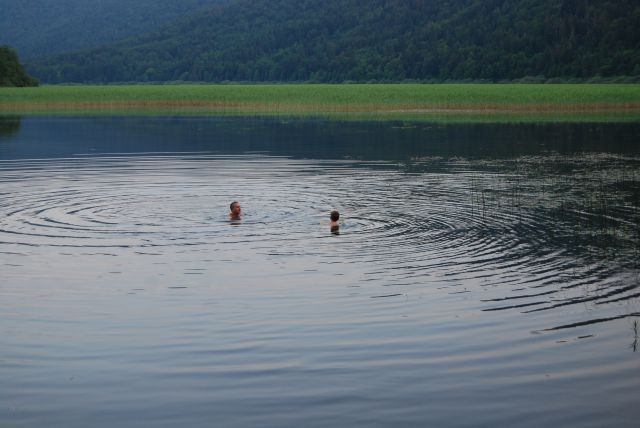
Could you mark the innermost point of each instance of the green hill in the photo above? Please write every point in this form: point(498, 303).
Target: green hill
point(378, 40)
point(42, 27)
point(12, 73)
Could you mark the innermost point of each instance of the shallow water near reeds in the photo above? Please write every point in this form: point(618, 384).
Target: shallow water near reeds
point(483, 275)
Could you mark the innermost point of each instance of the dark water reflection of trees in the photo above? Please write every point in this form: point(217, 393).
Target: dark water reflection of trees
point(9, 125)
point(319, 138)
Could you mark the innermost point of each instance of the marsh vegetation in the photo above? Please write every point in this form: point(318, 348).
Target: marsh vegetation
point(462, 102)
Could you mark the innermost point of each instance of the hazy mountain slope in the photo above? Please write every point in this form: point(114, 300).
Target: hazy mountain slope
point(40, 27)
point(337, 40)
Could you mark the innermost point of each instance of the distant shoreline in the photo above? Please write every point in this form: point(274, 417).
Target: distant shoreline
point(463, 102)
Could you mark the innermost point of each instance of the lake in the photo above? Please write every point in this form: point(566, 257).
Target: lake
point(482, 274)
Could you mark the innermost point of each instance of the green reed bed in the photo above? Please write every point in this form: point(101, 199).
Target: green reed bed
point(466, 102)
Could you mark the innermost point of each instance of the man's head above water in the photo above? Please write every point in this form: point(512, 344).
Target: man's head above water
point(235, 210)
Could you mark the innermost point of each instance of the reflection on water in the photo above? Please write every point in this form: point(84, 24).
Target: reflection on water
point(495, 266)
point(314, 139)
point(9, 126)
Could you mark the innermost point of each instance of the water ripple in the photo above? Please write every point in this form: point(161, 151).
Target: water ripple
point(464, 225)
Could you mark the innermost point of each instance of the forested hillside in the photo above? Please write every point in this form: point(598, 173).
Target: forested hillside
point(42, 27)
point(377, 40)
point(12, 73)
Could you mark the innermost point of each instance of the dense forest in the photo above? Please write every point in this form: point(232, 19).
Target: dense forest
point(12, 73)
point(42, 27)
point(377, 40)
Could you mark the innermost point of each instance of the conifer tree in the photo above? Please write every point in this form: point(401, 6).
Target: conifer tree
point(12, 73)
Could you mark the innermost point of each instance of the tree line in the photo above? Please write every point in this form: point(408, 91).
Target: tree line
point(12, 73)
point(378, 40)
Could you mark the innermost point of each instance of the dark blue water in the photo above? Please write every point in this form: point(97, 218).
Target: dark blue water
point(483, 275)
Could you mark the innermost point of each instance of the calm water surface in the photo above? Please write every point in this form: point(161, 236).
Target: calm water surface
point(483, 275)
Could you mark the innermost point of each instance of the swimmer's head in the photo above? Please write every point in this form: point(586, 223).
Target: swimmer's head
point(335, 215)
point(235, 209)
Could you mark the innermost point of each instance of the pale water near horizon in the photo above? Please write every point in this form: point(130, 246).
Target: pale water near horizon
point(484, 275)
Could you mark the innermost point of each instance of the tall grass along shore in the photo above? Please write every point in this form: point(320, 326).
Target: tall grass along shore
point(485, 102)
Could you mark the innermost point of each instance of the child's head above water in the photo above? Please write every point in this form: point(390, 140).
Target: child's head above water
point(335, 215)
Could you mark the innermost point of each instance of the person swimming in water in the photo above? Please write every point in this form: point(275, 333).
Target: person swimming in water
point(334, 225)
point(235, 210)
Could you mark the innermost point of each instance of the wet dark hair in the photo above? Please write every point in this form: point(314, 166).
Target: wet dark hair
point(232, 205)
point(335, 215)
